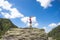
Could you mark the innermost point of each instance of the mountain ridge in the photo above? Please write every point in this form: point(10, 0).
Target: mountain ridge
point(5, 24)
point(55, 33)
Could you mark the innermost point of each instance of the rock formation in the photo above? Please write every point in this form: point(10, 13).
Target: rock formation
point(25, 34)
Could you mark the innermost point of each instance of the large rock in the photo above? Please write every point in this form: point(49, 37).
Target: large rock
point(25, 34)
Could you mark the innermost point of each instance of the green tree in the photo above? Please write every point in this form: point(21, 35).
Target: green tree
point(5, 24)
point(55, 33)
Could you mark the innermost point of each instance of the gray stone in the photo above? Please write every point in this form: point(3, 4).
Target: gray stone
point(24, 34)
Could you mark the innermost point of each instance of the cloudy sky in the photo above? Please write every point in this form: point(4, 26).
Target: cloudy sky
point(45, 13)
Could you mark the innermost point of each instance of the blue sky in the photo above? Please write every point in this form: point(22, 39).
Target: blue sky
point(46, 13)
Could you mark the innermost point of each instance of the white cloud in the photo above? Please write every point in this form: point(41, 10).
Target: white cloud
point(45, 3)
point(36, 25)
point(58, 23)
point(6, 15)
point(14, 13)
point(50, 27)
point(53, 25)
point(45, 28)
point(5, 4)
point(33, 19)
point(28, 24)
point(26, 20)
point(0, 9)
point(33, 25)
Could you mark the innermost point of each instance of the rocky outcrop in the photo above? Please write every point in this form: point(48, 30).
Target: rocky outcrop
point(25, 34)
point(5, 25)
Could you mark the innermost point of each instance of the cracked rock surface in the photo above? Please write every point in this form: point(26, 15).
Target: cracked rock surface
point(25, 34)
